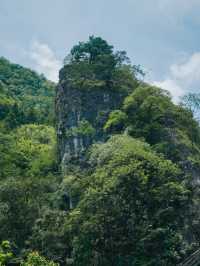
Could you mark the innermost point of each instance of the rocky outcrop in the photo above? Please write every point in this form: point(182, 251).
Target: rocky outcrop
point(81, 114)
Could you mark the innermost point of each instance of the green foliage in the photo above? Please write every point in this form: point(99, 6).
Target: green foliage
point(36, 143)
point(94, 65)
point(149, 113)
point(84, 128)
point(116, 121)
point(26, 97)
point(149, 110)
point(27, 150)
point(34, 259)
point(91, 50)
point(132, 211)
point(21, 203)
point(6, 105)
point(48, 235)
point(5, 252)
point(30, 150)
point(8, 157)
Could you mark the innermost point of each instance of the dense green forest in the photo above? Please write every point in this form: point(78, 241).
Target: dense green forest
point(28, 167)
point(99, 169)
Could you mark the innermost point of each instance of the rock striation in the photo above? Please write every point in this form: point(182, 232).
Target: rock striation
point(81, 114)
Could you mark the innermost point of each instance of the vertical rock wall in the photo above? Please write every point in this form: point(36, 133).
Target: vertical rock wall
point(81, 114)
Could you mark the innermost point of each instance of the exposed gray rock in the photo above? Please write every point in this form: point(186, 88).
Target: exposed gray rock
point(81, 114)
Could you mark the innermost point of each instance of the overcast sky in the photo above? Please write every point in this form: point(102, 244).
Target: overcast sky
point(163, 36)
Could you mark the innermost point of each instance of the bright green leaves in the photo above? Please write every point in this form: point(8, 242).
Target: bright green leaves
point(116, 121)
point(26, 97)
point(5, 253)
point(37, 144)
point(34, 259)
point(84, 129)
point(28, 151)
point(149, 113)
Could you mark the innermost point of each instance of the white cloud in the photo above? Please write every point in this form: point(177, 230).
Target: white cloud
point(183, 77)
point(45, 60)
point(188, 71)
point(171, 86)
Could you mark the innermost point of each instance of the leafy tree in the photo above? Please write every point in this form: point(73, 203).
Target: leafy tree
point(132, 210)
point(21, 203)
point(28, 157)
point(91, 50)
point(34, 259)
point(5, 252)
point(28, 151)
point(116, 121)
point(26, 97)
point(8, 156)
point(37, 145)
point(170, 128)
point(93, 64)
point(48, 235)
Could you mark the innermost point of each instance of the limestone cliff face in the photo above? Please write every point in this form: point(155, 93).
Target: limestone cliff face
point(81, 114)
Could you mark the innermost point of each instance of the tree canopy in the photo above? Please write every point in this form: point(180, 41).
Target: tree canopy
point(94, 64)
point(131, 212)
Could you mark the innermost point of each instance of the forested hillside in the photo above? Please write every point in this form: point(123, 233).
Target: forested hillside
point(28, 168)
point(108, 176)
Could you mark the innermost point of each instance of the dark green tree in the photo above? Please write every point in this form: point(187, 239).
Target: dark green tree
point(132, 211)
point(94, 64)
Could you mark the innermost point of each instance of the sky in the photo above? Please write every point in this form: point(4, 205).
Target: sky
point(163, 36)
